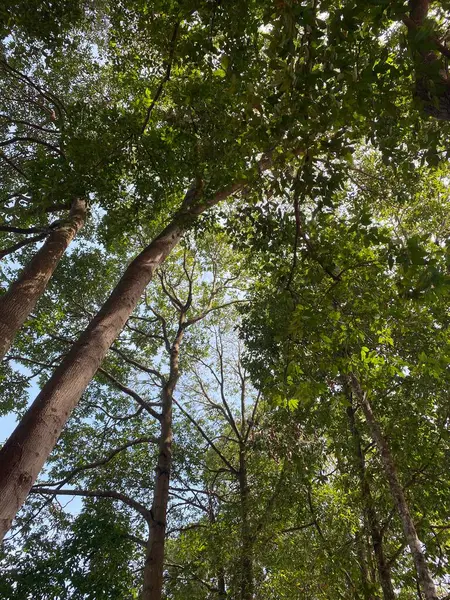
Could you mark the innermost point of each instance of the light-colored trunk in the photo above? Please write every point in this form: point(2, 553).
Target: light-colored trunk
point(384, 571)
point(154, 561)
point(423, 573)
point(20, 299)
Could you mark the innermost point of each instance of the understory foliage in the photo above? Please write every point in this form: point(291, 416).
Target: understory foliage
point(302, 149)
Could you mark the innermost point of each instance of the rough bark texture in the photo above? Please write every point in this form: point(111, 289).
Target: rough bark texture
point(20, 299)
point(423, 573)
point(154, 562)
point(26, 451)
point(384, 571)
point(247, 582)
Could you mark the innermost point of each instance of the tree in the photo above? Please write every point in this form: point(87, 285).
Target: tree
point(354, 318)
point(313, 136)
point(20, 299)
point(167, 319)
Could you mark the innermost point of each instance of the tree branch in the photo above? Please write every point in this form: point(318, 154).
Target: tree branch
point(207, 438)
point(165, 79)
point(14, 247)
point(139, 365)
point(99, 463)
point(126, 390)
point(141, 509)
point(28, 138)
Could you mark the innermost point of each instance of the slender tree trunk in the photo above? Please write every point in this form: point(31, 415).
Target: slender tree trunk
point(384, 571)
point(423, 573)
point(26, 451)
point(20, 299)
point(367, 584)
point(154, 562)
point(247, 581)
point(221, 589)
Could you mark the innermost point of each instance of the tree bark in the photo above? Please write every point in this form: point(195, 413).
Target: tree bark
point(26, 451)
point(384, 571)
point(423, 573)
point(247, 581)
point(221, 588)
point(221, 585)
point(154, 561)
point(20, 299)
point(367, 583)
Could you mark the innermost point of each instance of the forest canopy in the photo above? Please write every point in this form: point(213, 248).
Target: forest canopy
point(224, 302)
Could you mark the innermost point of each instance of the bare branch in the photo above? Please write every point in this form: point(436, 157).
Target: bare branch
point(126, 390)
point(207, 438)
point(168, 290)
point(98, 494)
point(49, 96)
point(126, 417)
point(15, 247)
point(136, 539)
point(99, 463)
point(252, 419)
point(33, 140)
point(211, 309)
point(24, 230)
point(28, 124)
point(165, 79)
point(139, 365)
point(219, 349)
point(13, 165)
point(163, 322)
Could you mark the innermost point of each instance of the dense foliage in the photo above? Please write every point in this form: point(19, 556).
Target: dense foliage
point(270, 418)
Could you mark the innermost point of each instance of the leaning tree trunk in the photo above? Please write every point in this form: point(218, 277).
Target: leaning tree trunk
point(26, 451)
point(423, 573)
point(154, 561)
point(247, 580)
point(384, 571)
point(20, 299)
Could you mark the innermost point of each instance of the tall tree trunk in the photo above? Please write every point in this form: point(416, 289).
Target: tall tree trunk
point(221, 586)
point(384, 571)
point(221, 589)
point(423, 573)
point(154, 561)
point(247, 581)
point(20, 299)
point(367, 584)
point(26, 451)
